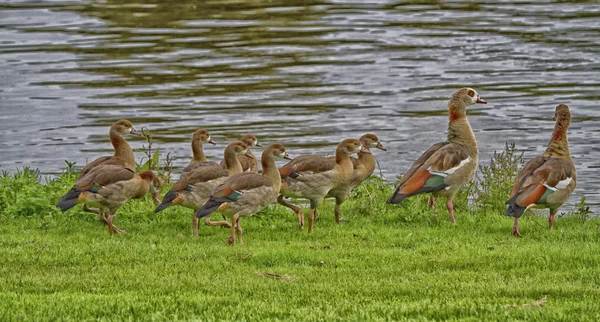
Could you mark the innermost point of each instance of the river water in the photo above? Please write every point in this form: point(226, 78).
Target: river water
point(305, 73)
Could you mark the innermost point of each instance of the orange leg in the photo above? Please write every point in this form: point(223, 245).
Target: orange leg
point(234, 222)
point(337, 213)
point(450, 210)
point(195, 221)
point(111, 228)
point(222, 223)
point(431, 202)
point(516, 232)
point(295, 208)
point(551, 218)
point(239, 231)
point(311, 219)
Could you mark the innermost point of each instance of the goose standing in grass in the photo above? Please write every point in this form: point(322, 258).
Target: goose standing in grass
point(312, 177)
point(245, 193)
point(194, 187)
point(248, 160)
point(446, 166)
point(548, 180)
point(123, 153)
point(364, 167)
point(108, 187)
point(198, 158)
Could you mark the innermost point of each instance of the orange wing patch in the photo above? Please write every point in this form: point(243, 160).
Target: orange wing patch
point(532, 197)
point(415, 182)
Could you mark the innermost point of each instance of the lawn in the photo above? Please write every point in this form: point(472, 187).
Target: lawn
point(384, 262)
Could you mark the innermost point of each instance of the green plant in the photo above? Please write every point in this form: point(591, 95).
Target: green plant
point(582, 211)
point(151, 157)
point(495, 180)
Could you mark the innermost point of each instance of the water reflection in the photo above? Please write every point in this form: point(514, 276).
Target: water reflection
point(306, 73)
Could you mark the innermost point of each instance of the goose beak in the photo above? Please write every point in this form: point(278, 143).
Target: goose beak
point(380, 146)
point(135, 132)
point(480, 100)
point(287, 157)
point(211, 141)
point(363, 150)
point(248, 154)
point(258, 145)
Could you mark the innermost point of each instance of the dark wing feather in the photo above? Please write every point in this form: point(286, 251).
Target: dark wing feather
point(418, 179)
point(199, 175)
point(196, 165)
point(96, 178)
point(532, 183)
point(307, 163)
point(104, 175)
point(93, 164)
point(421, 160)
point(241, 182)
point(527, 171)
point(227, 192)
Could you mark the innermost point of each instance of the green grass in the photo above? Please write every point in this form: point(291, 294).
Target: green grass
point(386, 262)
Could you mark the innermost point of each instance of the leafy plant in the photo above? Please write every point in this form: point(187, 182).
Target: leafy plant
point(583, 211)
point(496, 179)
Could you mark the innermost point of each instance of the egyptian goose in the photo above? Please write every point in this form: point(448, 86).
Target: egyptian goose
point(364, 167)
point(194, 187)
point(245, 193)
point(123, 153)
point(198, 158)
point(312, 177)
point(248, 160)
point(446, 166)
point(108, 187)
point(548, 180)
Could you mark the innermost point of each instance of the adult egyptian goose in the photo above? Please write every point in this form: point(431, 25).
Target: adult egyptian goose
point(198, 158)
point(548, 180)
point(445, 166)
point(108, 187)
point(248, 160)
point(312, 177)
point(245, 193)
point(194, 187)
point(364, 167)
point(123, 153)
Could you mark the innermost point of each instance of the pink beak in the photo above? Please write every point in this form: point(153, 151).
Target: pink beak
point(480, 101)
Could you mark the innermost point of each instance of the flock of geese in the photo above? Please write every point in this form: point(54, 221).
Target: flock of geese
point(235, 188)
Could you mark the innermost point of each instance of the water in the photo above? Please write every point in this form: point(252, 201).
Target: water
point(305, 73)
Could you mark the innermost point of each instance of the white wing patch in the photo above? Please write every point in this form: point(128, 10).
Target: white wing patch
point(451, 170)
point(560, 185)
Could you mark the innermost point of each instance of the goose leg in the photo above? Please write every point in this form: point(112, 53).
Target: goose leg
point(101, 215)
point(295, 208)
point(431, 202)
point(108, 217)
point(338, 209)
point(195, 221)
point(337, 213)
point(234, 222)
point(516, 232)
point(115, 229)
point(311, 219)
point(222, 223)
point(92, 210)
point(239, 231)
point(551, 218)
point(450, 210)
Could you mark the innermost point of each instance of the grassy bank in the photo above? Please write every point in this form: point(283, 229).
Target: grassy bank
point(383, 263)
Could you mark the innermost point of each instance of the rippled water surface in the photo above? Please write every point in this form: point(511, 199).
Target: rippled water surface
point(305, 73)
